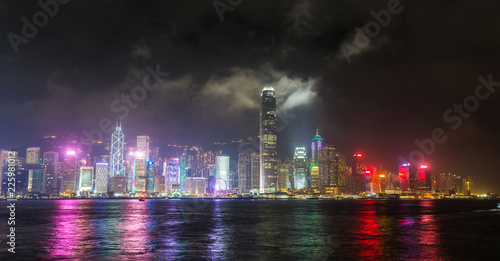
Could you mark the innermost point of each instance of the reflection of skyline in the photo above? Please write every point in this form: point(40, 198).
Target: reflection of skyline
point(223, 229)
point(65, 231)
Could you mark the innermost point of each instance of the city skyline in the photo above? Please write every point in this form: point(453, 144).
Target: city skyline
point(383, 101)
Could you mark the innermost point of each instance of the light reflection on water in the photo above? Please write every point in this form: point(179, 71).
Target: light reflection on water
point(253, 230)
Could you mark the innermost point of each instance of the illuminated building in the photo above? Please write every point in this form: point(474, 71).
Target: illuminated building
point(404, 177)
point(368, 181)
point(102, 177)
point(284, 174)
point(171, 170)
point(424, 179)
point(182, 172)
point(327, 162)
point(139, 177)
point(255, 183)
point(86, 182)
point(33, 155)
point(222, 168)
point(196, 185)
point(316, 146)
point(244, 172)
point(314, 177)
point(36, 175)
point(357, 179)
point(268, 139)
point(52, 180)
point(159, 181)
point(143, 145)
point(69, 173)
point(149, 177)
point(117, 150)
point(300, 168)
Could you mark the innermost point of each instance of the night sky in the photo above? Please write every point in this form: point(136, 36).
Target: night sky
point(394, 90)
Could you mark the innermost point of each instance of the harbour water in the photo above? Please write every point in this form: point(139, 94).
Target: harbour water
point(122, 229)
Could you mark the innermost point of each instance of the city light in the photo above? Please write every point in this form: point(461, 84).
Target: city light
point(423, 166)
point(70, 152)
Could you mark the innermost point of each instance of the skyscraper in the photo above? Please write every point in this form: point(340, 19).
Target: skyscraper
point(300, 171)
point(244, 172)
point(102, 177)
point(268, 139)
point(222, 168)
point(171, 171)
point(117, 168)
point(51, 161)
point(327, 162)
point(316, 146)
point(69, 173)
point(33, 155)
point(141, 157)
point(357, 180)
point(255, 183)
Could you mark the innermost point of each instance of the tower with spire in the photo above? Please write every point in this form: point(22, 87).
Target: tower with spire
point(117, 144)
point(316, 146)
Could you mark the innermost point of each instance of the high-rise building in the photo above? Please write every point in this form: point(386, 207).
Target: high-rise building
point(316, 146)
point(52, 180)
point(255, 168)
point(117, 152)
point(150, 188)
point(33, 155)
point(300, 168)
point(69, 173)
point(36, 177)
point(102, 177)
point(424, 179)
point(86, 182)
point(284, 174)
point(244, 172)
point(171, 171)
point(143, 145)
point(357, 179)
point(140, 168)
point(222, 168)
point(268, 141)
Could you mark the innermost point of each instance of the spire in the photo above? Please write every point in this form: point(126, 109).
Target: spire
point(317, 132)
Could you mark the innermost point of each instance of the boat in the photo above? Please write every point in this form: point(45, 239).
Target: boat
point(142, 198)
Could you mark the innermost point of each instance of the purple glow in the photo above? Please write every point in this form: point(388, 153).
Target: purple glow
point(70, 152)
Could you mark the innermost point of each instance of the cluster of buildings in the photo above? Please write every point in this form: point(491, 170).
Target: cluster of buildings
point(75, 167)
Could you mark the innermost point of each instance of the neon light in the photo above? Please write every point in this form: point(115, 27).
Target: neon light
point(406, 165)
point(423, 167)
point(70, 152)
point(382, 176)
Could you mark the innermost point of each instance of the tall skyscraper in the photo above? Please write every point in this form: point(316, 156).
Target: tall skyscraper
point(316, 146)
point(255, 183)
point(327, 162)
point(171, 171)
point(143, 145)
point(69, 173)
point(222, 168)
point(300, 171)
point(268, 140)
point(102, 177)
point(52, 180)
point(117, 167)
point(141, 158)
point(33, 155)
point(357, 180)
point(244, 172)
point(284, 174)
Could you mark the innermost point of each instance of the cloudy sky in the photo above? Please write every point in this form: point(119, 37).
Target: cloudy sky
point(376, 98)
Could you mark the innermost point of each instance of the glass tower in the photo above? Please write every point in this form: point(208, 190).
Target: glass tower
point(117, 168)
point(268, 122)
